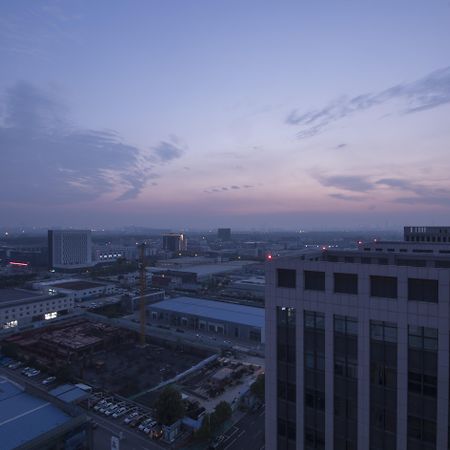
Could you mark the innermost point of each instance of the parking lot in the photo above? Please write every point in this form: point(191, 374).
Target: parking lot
point(45, 379)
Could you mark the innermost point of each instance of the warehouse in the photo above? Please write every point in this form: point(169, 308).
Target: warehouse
point(226, 319)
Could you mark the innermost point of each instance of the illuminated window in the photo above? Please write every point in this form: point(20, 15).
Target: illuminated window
point(51, 315)
point(11, 324)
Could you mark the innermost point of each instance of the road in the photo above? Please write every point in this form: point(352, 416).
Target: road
point(131, 439)
point(248, 433)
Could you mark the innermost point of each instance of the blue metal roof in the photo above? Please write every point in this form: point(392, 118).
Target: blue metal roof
point(211, 309)
point(68, 393)
point(24, 417)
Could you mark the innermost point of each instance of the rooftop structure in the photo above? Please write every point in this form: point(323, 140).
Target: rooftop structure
point(18, 295)
point(78, 285)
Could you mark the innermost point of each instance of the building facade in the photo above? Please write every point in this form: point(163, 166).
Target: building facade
point(69, 249)
point(19, 307)
point(174, 242)
point(357, 350)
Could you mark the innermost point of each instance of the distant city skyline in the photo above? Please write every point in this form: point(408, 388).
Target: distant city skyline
point(207, 114)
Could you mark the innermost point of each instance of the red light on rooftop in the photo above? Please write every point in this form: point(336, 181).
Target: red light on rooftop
point(269, 257)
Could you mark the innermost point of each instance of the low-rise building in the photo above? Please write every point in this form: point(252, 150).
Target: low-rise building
point(76, 289)
point(20, 307)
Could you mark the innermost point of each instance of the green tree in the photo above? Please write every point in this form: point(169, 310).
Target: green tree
point(169, 406)
point(258, 387)
point(222, 412)
point(205, 432)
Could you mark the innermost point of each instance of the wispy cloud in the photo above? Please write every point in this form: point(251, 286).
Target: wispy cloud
point(428, 92)
point(350, 198)
point(404, 191)
point(233, 187)
point(45, 158)
point(346, 182)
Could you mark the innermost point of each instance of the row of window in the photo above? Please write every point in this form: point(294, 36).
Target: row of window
point(419, 289)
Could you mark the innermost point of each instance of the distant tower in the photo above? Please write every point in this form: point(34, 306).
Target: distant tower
point(174, 242)
point(224, 234)
point(69, 249)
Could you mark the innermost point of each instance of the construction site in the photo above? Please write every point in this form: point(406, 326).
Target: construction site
point(104, 356)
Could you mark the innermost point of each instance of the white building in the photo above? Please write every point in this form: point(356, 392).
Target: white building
point(357, 348)
point(19, 307)
point(76, 289)
point(69, 249)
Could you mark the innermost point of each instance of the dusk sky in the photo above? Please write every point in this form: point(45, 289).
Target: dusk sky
point(193, 114)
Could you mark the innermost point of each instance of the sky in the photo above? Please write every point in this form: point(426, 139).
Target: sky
point(207, 113)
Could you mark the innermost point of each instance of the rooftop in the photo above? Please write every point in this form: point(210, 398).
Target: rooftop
point(228, 312)
point(18, 295)
point(24, 417)
point(78, 285)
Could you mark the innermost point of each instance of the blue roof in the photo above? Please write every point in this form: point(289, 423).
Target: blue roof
point(68, 393)
point(24, 417)
point(211, 309)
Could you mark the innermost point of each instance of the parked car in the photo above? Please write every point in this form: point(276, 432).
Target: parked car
point(144, 423)
point(149, 427)
point(105, 407)
point(33, 373)
point(130, 417)
point(100, 404)
point(48, 380)
point(15, 365)
point(137, 420)
point(120, 412)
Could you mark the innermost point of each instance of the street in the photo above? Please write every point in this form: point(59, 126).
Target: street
point(248, 433)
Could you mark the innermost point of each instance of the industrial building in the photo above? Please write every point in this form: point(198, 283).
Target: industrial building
point(357, 348)
point(29, 421)
point(226, 319)
point(69, 249)
point(20, 307)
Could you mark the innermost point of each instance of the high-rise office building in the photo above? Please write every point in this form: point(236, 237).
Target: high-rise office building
point(174, 242)
point(357, 348)
point(224, 234)
point(69, 249)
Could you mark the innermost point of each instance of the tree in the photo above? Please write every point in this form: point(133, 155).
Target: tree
point(169, 406)
point(204, 432)
point(258, 387)
point(222, 412)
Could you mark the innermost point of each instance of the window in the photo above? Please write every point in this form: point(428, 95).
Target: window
point(383, 287)
point(346, 283)
point(423, 290)
point(287, 278)
point(314, 281)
